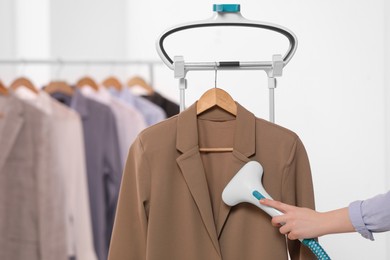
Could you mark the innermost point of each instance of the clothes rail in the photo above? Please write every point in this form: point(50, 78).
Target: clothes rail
point(77, 62)
point(63, 62)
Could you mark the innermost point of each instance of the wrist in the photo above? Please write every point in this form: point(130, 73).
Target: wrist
point(335, 221)
point(324, 223)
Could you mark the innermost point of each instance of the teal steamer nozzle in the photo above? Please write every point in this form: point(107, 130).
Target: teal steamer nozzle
point(246, 186)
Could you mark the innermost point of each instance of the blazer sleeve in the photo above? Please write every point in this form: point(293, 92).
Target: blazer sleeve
point(129, 234)
point(298, 190)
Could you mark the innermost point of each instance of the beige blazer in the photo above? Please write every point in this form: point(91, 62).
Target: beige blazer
point(170, 205)
point(32, 215)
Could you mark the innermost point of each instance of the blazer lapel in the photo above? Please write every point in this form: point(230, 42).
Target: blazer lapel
point(11, 121)
point(192, 169)
point(244, 147)
point(191, 165)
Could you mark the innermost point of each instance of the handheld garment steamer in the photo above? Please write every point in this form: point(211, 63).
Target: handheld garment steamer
point(246, 186)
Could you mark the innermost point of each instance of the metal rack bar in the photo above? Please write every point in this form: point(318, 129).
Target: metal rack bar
point(264, 65)
point(61, 62)
point(77, 62)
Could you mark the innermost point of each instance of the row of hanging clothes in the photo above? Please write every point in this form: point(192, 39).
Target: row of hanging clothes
point(63, 150)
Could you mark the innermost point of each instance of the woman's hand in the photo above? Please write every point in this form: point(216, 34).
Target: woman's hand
point(300, 223)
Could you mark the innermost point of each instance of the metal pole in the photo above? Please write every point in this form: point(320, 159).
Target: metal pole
point(77, 62)
point(271, 87)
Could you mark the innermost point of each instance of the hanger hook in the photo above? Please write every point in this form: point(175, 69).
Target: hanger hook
point(215, 75)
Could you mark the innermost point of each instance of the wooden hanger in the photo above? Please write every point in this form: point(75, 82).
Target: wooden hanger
point(87, 81)
point(138, 81)
point(112, 82)
point(216, 97)
point(59, 86)
point(23, 82)
point(3, 89)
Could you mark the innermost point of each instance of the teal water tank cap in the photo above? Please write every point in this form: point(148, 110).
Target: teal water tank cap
point(226, 8)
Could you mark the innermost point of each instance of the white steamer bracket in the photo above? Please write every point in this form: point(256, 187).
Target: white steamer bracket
point(229, 15)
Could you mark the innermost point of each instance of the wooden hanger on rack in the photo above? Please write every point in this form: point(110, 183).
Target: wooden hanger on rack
point(112, 82)
point(23, 82)
point(3, 89)
point(59, 86)
point(87, 81)
point(138, 81)
point(216, 97)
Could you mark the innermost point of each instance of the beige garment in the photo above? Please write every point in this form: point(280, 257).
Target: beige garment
point(67, 152)
point(32, 215)
point(68, 142)
point(170, 205)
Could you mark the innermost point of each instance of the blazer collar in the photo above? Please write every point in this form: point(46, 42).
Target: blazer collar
point(244, 137)
point(191, 165)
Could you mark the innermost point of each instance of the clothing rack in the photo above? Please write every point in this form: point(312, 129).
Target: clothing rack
point(62, 62)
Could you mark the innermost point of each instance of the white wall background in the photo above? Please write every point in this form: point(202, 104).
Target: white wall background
point(333, 94)
point(88, 29)
point(7, 42)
